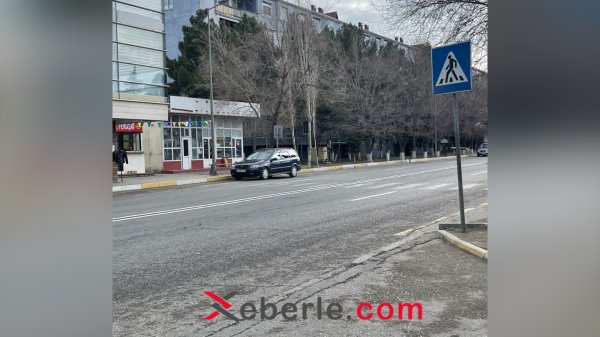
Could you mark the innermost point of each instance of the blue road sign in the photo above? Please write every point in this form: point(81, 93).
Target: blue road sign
point(451, 68)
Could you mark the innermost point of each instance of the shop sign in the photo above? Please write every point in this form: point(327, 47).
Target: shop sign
point(129, 127)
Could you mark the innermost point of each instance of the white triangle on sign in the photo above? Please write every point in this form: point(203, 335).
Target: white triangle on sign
point(451, 74)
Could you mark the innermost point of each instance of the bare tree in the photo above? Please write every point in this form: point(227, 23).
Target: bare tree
point(305, 46)
point(441, 21)
point(251, 67)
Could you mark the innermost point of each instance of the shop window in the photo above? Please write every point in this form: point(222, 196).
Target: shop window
point(130, 141)
point(172, 137)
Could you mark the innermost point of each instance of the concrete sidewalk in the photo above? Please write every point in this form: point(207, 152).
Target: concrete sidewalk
point(179, 179)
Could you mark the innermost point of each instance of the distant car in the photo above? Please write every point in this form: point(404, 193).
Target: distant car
point(483, 150)
point(265, 162)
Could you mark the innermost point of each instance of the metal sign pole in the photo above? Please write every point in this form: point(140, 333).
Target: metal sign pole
point(458, 164)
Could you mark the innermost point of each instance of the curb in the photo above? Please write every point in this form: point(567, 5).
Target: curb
point(464, 245)
point(169, 183)
point(218, 178)
point(210, 179)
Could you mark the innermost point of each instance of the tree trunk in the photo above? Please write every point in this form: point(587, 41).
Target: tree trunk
point(294, 137)
point(309, 164)
point(254, 137)
point(314, 130)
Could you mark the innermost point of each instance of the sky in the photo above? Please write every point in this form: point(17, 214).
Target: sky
point(355, 11)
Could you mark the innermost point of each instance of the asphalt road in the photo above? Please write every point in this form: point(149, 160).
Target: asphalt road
point(264, 238)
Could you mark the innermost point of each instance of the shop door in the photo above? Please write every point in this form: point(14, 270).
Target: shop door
point(239, 153)
point(206, 143)
point(186, 158)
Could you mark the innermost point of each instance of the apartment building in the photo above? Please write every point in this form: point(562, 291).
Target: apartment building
point(270, 13)
point(139, 89)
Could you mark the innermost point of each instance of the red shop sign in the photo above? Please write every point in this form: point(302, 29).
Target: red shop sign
point(129, 127)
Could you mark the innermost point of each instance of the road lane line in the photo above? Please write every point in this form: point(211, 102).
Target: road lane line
point(465, 186)
point(352, 186)
point(482, 172)
point(304, 190)
point(373, 196)
point(291, 182)
point(303, 184)
point(407, 186)
point(434, 187)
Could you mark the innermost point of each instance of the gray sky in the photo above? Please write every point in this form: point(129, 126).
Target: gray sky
point(356, 11)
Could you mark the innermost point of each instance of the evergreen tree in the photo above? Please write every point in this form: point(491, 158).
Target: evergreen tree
point(186, 71)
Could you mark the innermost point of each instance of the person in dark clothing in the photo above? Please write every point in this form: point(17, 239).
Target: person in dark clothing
point(120, 157)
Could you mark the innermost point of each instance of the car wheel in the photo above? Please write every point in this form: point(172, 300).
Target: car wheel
point(293, 171)
point(238, 177)
point(478, 155)
point(264, 174)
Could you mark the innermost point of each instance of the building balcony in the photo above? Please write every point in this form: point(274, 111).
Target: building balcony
point(233, 14)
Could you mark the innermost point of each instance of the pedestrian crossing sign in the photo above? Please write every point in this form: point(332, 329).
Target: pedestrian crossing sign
point(451, 68)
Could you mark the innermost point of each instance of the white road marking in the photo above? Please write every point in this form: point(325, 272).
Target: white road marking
point(373, 196)
point(352, 186)
point(437, 221)
point(291, 182)
point(482, 172)
point(465, 186)
point(382, 186)
point(267, 196)
point(407, 186)
point(434, 187)
point(406, 232)
point(304, 184)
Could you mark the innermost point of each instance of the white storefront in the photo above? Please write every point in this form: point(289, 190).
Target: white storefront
point(187, 135)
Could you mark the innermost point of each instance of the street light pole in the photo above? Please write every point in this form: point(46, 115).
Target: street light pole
point(213, 167)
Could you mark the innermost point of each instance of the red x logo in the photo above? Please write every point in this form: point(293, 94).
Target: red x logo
point(220, 306)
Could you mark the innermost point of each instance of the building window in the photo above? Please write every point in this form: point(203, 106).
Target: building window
point(139, 55)
point(168, 4)
point(138, 17)
point(266, 8)
point(139, 37)
point(130, 141)
point(150, 4)
point(229, 137)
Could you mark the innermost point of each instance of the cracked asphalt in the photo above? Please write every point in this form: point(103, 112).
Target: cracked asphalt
point(293, 240)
